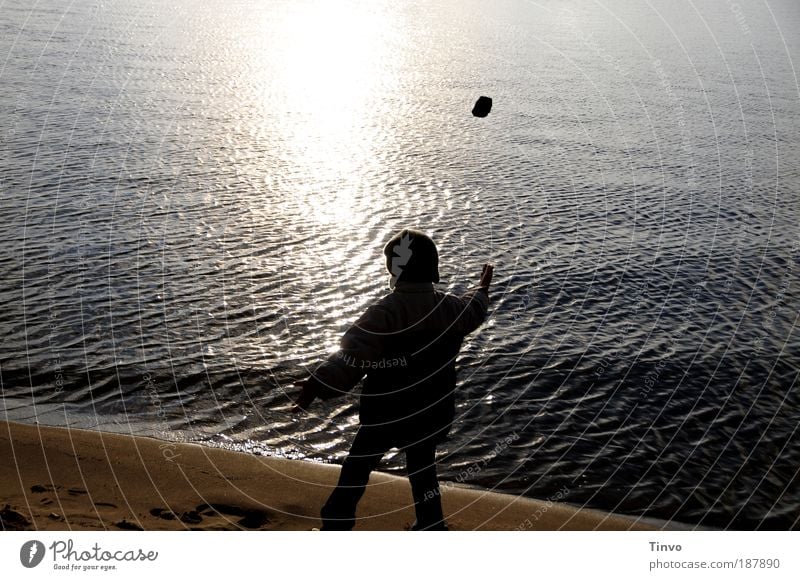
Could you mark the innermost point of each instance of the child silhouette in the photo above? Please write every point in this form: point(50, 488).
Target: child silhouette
point(406, 345)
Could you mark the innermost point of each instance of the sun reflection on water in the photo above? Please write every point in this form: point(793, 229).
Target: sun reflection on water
point(327, 72)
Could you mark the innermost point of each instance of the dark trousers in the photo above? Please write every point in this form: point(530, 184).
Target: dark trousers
point(369, 446)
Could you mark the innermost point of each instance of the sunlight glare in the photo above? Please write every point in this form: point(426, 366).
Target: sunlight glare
point(332, 69)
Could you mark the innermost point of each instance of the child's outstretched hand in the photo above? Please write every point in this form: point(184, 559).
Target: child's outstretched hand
point(486, 276)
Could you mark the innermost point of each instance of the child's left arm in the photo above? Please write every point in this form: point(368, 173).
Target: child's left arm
point(362, 344)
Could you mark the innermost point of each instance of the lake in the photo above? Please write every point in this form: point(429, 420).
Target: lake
point(195, 196)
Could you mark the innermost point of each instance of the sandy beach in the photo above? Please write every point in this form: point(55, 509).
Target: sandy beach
point(70, 479)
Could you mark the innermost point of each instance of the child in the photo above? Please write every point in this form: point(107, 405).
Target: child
point(406, 345)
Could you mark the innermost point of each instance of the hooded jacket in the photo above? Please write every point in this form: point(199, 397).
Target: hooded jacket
point(406, 344)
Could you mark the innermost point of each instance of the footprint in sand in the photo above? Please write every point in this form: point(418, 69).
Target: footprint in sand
point(50, 488)
point(11, 520)
point(126, 525)
point(250, 518)
point(191, 517)
point(163, 513)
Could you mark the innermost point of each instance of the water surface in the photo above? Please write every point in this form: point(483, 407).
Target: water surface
point(195, 197)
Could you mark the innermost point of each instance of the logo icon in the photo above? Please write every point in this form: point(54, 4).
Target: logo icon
point(31, 553)
point(402, 254)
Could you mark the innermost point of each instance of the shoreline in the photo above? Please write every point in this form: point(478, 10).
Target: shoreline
point(64, 479)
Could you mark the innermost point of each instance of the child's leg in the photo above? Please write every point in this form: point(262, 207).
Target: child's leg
point(339, 512)
point(421, 466)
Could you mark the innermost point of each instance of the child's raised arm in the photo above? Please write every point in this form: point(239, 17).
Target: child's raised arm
point(473, 305)
point(486, 276)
